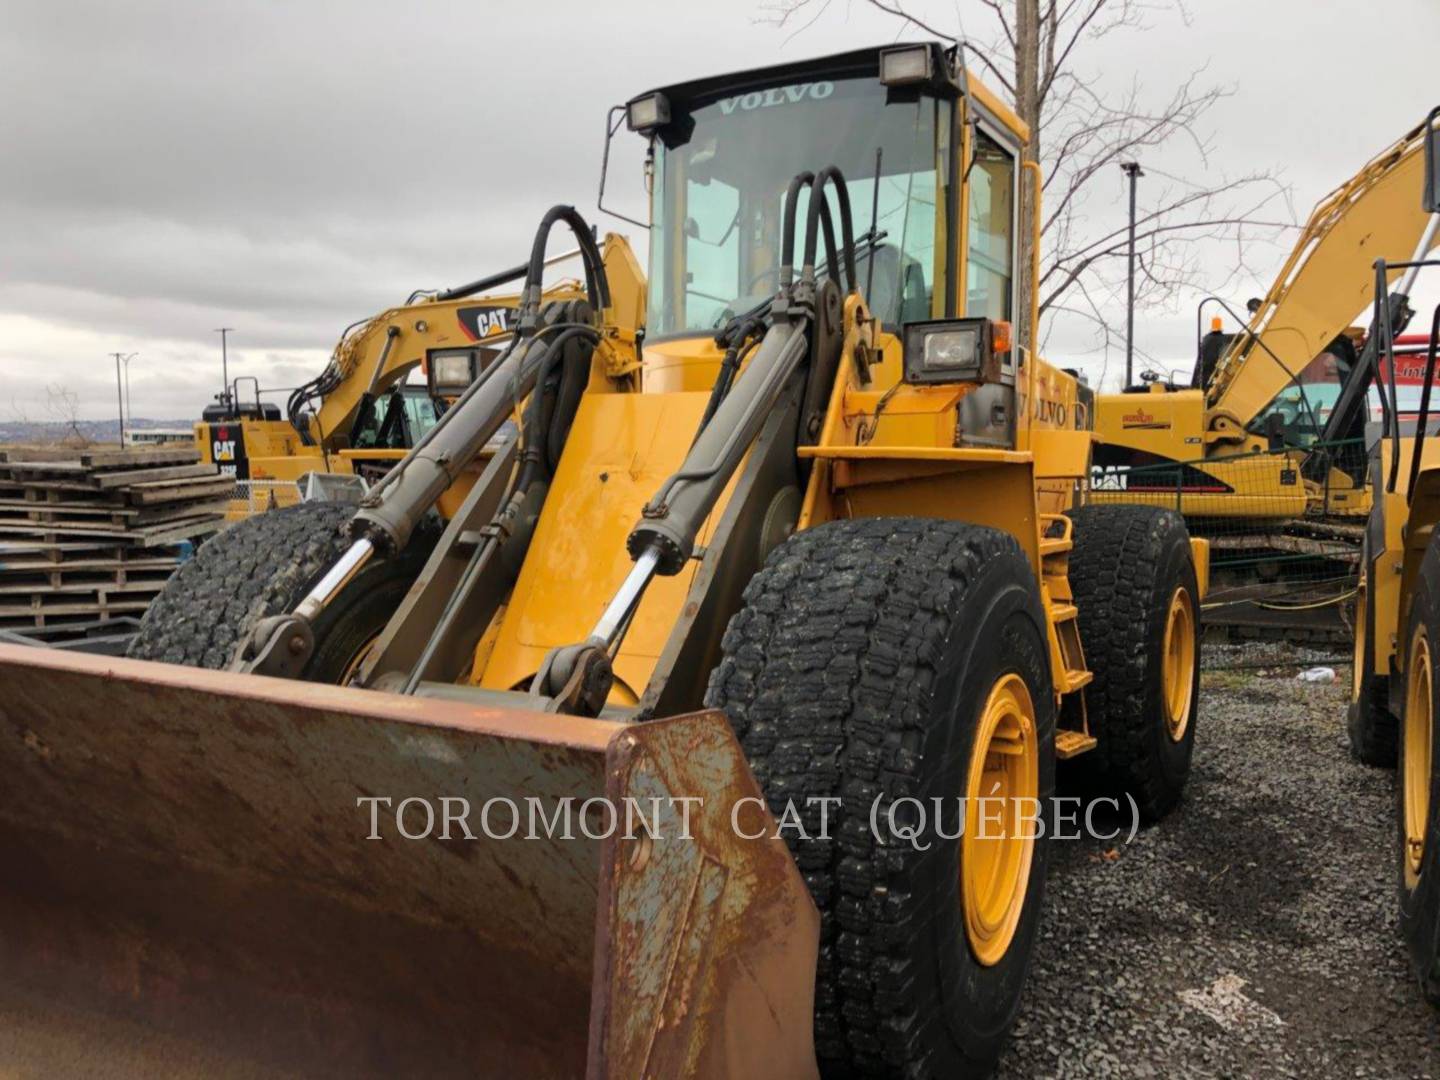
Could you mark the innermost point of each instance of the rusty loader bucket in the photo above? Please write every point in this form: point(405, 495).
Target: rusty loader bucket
point(188, 885)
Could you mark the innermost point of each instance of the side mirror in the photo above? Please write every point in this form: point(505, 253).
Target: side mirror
point(1430, 200)
point(612, 125)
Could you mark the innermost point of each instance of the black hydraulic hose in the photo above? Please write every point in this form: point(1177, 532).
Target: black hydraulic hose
point(822, 210)
point(535, 424)
point(827, 230)
point(787, 229)
point(459, 292)
point(831, 176)
point(1385, 345)
point(738, 341)
point(596, 284)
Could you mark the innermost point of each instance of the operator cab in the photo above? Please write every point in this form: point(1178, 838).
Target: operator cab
point(398, 420)
point(931, 161)
point(724, 150)
point(230, 407)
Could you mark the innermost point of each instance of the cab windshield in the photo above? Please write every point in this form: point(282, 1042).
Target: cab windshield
point(1301, 411)
point(716, 243)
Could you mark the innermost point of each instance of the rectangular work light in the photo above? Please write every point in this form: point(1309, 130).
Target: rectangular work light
point(451, 371)
point(955, 350)
point(645, 114)
point(906, 65)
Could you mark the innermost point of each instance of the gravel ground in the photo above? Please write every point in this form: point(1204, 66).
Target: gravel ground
point(1253, 933)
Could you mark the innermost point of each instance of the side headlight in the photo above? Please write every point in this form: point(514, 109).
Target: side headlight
point(955, 350)
point(451, 371)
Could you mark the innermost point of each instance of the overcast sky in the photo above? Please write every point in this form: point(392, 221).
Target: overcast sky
point(171, 166)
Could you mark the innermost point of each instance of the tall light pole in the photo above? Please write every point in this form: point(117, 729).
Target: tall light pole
point(129, 412)
point(120, 390)
point(224, 332)
point(1133, 171)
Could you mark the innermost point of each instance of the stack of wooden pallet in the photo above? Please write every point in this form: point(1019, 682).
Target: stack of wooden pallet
point(91, 537)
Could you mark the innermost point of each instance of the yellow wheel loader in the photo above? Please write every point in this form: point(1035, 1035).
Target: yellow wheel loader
point(1255, 437)
point(1395, 693)
point(359, 416)
point(714, 735)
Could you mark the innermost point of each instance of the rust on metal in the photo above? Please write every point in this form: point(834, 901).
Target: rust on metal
point(186, 885)
point(707, 947)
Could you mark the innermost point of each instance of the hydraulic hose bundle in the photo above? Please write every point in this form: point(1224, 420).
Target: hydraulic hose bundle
point(392, 509)
point(408, 491)
point(578, 677)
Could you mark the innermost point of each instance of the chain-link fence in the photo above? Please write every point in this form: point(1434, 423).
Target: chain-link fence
point(1284, 528)
point(257, 496)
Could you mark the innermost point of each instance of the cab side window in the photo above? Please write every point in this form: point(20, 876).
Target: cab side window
point(989, 283)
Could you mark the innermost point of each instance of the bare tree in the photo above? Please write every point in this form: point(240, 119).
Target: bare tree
point(19, 418)
point(1033, 50)
point(63, 404)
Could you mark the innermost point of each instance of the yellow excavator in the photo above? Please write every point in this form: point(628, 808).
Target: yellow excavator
point(1238, 442)
point(360, 415)
point(1395, 693)
point(713, 735)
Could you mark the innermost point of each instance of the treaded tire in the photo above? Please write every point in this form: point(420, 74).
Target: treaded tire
point(1372, 729)
point(856, 670)
point(1125, 567)
point(1420, 897)
point(264, 565)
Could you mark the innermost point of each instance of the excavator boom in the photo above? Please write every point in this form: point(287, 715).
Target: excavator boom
point(1328, 278)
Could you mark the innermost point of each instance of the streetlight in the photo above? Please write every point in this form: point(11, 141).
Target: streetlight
point(128, 411)
point(224, 331)
point(120, 389)
point(1133, 171)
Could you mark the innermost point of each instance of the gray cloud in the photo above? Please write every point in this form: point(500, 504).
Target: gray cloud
point(286, 168)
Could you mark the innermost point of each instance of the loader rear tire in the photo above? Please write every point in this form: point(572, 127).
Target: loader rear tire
point(1133, 579)
point(1373, 731)
point(1418, 781)
point(264, 565)
point(900, 660)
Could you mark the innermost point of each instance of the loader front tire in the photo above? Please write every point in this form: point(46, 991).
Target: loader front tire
point(893, 667)
point(1133, 579)
point(1418, 781)
point(264, 565)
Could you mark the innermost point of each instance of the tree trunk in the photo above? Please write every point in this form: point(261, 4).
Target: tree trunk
point(1027, 104)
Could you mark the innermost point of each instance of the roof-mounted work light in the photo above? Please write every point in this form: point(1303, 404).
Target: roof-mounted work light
point(906, 65)
point(645, 114)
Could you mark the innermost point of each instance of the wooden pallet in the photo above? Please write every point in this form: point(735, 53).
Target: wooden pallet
point(100, 459)
point(39, 614)
point(57, 582)
point(95, 536)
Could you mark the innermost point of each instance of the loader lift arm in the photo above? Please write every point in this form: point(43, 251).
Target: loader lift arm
point(578, 677)
point(282, 644)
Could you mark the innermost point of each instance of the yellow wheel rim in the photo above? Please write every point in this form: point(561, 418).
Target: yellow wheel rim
point(352, 669)
point(1419, 725)
point(1178, 672)
point(999, 834)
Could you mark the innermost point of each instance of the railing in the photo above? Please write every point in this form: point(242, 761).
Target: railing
point(257, 496)
point(1284, 525)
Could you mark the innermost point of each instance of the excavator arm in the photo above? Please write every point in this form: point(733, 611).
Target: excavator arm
point(1327, 280)
point(377, 354)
